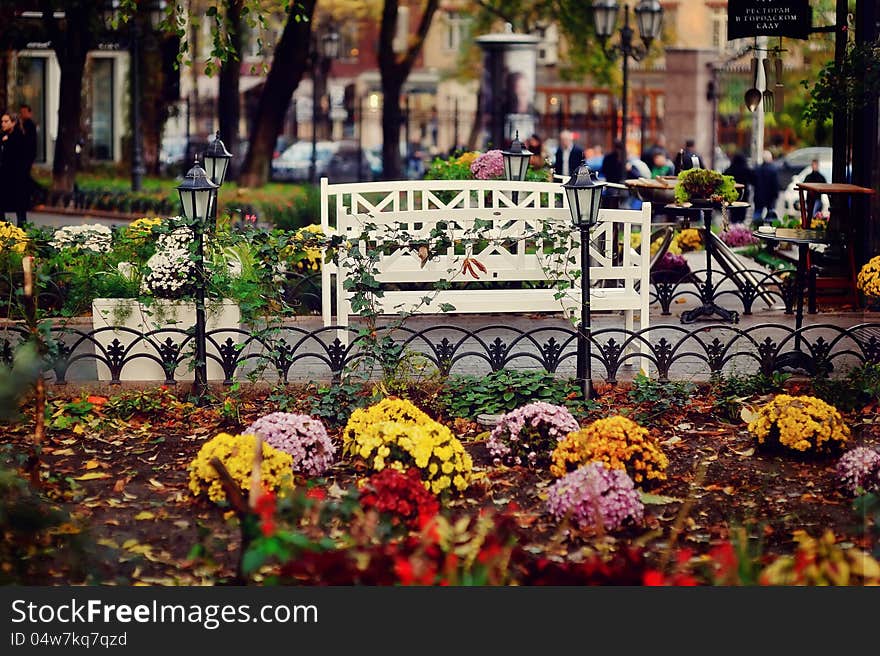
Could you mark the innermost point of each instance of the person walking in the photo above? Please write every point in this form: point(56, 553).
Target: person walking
point(13, 187)
point(740, 171)
point(766, 187)
point(614, 163)
point(660, 166)
point(535, 146)
point(29, 130)
point(814, 200)
point(688, 158)
point(568, 156)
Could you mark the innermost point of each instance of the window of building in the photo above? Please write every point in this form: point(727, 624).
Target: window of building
point(349, 42)
point(102, 108)
point(401, 36)
point(548, 46)
point(457, 28)
point(719, 31)
point(31, 83)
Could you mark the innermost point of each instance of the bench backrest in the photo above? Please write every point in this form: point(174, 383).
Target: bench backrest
point(418, 206)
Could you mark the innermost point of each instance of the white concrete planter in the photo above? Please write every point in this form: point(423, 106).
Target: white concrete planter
point(160, 315)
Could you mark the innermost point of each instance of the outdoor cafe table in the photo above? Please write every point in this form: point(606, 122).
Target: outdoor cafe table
point(802, 238)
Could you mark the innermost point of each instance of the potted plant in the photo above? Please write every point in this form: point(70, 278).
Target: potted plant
point(705, 187)
point(165, 283)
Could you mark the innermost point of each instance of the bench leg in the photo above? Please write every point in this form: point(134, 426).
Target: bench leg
point(628, 326)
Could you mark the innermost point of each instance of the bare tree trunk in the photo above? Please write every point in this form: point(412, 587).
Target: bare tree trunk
point(288, 65)
point(395, 69)
point(228, 98)
point(71, 46)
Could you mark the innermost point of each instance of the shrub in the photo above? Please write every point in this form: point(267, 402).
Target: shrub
point(859, 471)
point(505, 390)
point(430, 446)
point(488, 166)
point(868, 280)
point(595, 494)
point(799, 423)
point(236, 452)
point(303, 438)
point(388, 409)
point(528, 434)
point(401, 495)
point(618, 442)
point(92, 237)
point(821, 561)
point(738, 235)
point(12, 238)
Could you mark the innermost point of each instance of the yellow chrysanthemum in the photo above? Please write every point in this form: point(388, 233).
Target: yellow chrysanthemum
point(868, 280)
point(236, 452)
point(12, 238)
point(142, 229)
point(618, 442)
point(800, 423)
point(395, 433)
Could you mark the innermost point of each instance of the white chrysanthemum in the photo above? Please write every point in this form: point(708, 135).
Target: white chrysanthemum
point(89, 237)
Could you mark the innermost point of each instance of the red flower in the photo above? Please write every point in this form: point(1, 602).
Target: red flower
point(653, 578)
point(317, 493)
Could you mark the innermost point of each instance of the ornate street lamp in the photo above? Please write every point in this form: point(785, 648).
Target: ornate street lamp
point(217, 161)
point(584, 194)
point(324, 50)
point(516, 163)
point(198, 196)
point(649, 16)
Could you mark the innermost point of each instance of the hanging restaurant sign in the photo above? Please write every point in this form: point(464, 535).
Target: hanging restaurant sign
point(747, 18)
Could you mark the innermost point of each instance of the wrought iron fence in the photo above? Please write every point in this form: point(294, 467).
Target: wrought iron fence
point(292, 353)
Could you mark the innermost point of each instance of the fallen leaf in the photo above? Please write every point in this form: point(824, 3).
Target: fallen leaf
point(156, 484)
point(657, 499)
point(92, 464)
point(144, 514)
point(91, 476)
point(747, 414)
point(746, 453)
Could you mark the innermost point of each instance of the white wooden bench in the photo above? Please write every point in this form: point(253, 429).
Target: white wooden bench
point(618, 283)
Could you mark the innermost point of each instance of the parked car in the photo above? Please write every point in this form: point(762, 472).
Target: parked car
point(796, 160)
point(343, 165)
point(293, 165)
point(790, 200)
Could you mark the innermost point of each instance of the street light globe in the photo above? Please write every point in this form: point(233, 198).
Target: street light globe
point(198, 194)
point(217, 161)
point(516, 160)
point(604, 17)
point(584, 193)
point(649, 16)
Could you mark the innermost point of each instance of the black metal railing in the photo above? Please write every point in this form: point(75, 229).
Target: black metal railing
point(291, 353)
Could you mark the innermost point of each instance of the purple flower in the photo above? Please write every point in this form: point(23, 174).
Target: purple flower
point(301, 436)
point(593, 493)
point(859, 470)
point(738, 235)
point(488, 166)
point(528, 435)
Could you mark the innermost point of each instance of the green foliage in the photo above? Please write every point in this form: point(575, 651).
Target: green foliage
point(847, 87)
point(662, 396)
point(858, 388)
point(730, 391)
point(867, 509)
point(705, 183)
point(334, 404)
point(505, 390)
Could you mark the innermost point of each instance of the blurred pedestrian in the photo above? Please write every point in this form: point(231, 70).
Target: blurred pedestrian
point(766, 186)
point(14, 191)
point(568, 156)
point(740, 171)
point(614, 163)
point(534, 145)
point(29, 129)
point(660, 166)
point(688, 158)
point(814, 200)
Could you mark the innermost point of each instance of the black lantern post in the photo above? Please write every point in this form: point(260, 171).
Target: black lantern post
point(584, 194)
point(324, 50)
point(516, 163)
point(198, 196)
point(217, 160)
point(649, 16)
